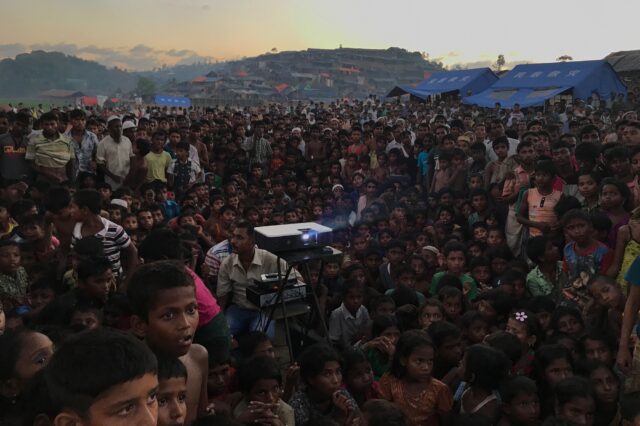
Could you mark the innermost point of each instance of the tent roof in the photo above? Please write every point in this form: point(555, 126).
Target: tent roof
point(533, 84)
point(465, 81)
point(624, 61)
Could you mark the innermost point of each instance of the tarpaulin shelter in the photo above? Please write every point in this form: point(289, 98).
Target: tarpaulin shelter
point(172, 101)
point(90, 100)
point(466, 82)
point(533, 84)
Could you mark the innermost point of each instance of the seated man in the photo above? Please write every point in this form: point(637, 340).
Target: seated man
point(237, 272)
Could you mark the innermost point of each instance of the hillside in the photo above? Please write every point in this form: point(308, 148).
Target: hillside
point(308, 74)
point(30, 74)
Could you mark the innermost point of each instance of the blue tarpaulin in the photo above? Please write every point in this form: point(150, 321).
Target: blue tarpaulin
point(172, 101)
point(533, 84)
point(467, 82)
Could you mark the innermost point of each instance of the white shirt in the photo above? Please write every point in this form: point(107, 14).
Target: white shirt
point(513, 148)
point(116, 157)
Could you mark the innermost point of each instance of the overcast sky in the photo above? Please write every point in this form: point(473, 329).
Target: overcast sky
point(142, 34)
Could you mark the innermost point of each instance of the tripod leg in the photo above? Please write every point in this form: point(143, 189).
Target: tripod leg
point(315, 302)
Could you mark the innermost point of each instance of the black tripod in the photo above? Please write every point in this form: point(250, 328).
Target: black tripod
point(302, 258)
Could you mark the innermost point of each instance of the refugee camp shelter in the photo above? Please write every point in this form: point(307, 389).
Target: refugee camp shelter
point(464, 82)
point(533, 84)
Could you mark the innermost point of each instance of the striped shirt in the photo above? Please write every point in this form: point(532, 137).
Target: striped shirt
point(114, 240)
point(215, 256)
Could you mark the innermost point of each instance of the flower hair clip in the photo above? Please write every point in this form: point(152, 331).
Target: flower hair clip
point(521, 316)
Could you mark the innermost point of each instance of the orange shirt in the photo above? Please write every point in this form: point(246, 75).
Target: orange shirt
point(422, 409)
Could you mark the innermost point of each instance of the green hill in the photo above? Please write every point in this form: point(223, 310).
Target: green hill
point(30, 74)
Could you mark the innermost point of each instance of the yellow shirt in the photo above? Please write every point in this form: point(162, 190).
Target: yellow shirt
point(157, 165)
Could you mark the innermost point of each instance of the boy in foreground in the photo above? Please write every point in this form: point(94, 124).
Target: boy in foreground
point(101, 377)
point(165, 313)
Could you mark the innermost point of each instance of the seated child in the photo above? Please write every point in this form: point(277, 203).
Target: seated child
point(358, 376)
point(447, 343)
point(260, 382)
point(382, 305)
point(606, 312)
point(517, 393)
point(322, 396)
point(432, 310)
point(455, 259)
point(547, 278)
point(257, 343)
point(18, 349)
point(41, 293)
point(13, 277)
point(95, 280)
point(86, 316)
point(480, 269)
point(406, 277)
point(584, 256)
point(423, 398)
point(347, 323)
point(524, 326)
point(453, 301)
point(574, 401)
point(222, 379)
point(475, 327)
point(124, 377)
point(484, 369)
point(172, 391)
point(379, 350)
point(165, 313)
point(597, 346)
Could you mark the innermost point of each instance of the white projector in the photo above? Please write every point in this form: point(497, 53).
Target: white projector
point(293, 236)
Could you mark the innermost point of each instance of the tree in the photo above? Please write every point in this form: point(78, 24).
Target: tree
point(145, 87)
point(500, 62)
point(274, 50)
point(564, 58)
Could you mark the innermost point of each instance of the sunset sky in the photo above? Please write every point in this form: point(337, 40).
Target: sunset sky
point(142, 34)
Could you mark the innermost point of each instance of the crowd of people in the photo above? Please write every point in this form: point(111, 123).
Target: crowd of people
point(487, 275)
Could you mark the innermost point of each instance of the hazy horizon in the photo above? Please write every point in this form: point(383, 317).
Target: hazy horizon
point(147, 34)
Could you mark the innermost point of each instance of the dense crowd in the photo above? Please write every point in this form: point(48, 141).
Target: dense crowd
point(487, 275)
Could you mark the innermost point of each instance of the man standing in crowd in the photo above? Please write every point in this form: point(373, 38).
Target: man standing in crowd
point(114, 154)
point(50, 152)
point(13, 149)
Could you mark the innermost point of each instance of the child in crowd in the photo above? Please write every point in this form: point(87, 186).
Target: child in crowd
point(583, 256)
point(455, 260)
point(13, 277)
point(520, 403)
point(322, 396)
point(124, 375)
point(410, 384)
point(484, 369)
point(536, 209)
point(172, 391)
point(17, 348)
point(380, 348)
point(347, 322)
point(163, 301)
point(260, 383)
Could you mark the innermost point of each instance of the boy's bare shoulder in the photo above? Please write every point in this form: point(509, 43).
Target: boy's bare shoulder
point(198, 353)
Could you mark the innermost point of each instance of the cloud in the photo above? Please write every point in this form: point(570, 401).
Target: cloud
point(136, 58)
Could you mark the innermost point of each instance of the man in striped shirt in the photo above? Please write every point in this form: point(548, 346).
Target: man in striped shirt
point(85, 208)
